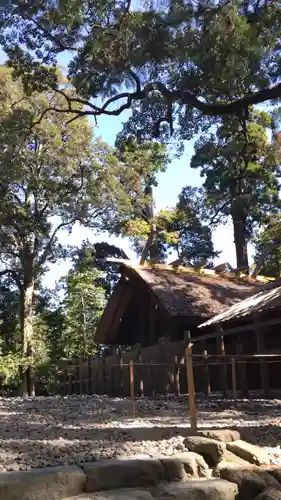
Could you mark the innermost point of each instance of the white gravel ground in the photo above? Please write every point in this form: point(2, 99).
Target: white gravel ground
point(52, 431)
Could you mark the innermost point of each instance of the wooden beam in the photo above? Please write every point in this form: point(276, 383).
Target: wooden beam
point(242, 369)
point(132, 387)
point(114, 308)
point(152, 319)
point(119, 311)
point(223, 367)
point(263, 366)
point(234, 385)
point(207, 375)
point(236, 330)
point(191, 388)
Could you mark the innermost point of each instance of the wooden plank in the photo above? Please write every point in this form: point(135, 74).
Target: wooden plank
point(207, 376)
point(123, 393)
point(115, 307)
point(177, 376)
point(191, 388)
point(223, 368)
point(152, 318)
point(242, 373)
point(238, 329)
point(127, 294)
point(132, 387)
point(263, 366)
point(234, 384)
point(187, 337)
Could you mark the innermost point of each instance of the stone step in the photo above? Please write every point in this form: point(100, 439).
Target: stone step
point(210, 489)
point(120, 494)
point(52, 483)
point(249, 452)
point(211, 449)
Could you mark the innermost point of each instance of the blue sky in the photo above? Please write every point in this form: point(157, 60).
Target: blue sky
point(170, 183)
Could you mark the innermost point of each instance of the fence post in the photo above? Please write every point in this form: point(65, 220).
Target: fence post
point(234, 385)
point(207, 376)
point(121, 376)
point(222, 366)
point(191, 388)
point(177, 376)
point(132, 387)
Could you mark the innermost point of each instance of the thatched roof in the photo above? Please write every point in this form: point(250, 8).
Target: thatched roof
point(187, 293)
point(179, 291)
point(266, 300)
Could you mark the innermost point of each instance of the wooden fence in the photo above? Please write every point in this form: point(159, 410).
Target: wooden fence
point(160, 369)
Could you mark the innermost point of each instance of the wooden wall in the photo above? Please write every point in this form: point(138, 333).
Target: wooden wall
point(158, 369)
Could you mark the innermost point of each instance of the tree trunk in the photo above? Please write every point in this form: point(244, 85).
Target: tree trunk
point(240, 240)
point(26, 335)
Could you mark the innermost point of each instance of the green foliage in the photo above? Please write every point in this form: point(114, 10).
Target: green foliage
point(267, 245)
point(9, 317)
point(83, 305)
point(54, 175)
point(93, 256)
point(192, 221)
point(11, 359)
point(183, 229)
point(10, 365)
point(183, 60)
point(241, 170)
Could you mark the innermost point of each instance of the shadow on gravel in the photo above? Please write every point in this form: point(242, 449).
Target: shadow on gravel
point(54, 431)
point(268, 435)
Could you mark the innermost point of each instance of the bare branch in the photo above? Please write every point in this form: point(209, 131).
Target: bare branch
point(48, 248)
point(179, 96)
point(213, 218)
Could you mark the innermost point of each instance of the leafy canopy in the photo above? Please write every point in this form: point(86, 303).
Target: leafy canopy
point(267, 244)
point(183, 229)
point(83, 305)
point(241, 170)
point(55, 175)
point(174, 62)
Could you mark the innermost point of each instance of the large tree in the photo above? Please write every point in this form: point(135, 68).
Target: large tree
point(93, 256)
point(183, 229)
point(83, 304)
point(53, 175)
point(241, 170)
point(181, 59)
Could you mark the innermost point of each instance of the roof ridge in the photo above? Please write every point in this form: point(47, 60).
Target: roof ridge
point(243, 278)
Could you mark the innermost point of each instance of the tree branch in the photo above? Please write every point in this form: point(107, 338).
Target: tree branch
point(48, 248)
point(14, 275)
point(179, 96)
point(53, 38)
point(218, 211)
